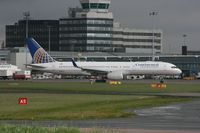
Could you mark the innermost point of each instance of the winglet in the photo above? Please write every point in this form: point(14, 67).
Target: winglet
point(74, 63)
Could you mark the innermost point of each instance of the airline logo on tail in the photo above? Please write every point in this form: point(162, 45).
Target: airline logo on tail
point(38, 54)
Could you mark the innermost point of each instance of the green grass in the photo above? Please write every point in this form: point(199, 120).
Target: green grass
point(97, 87)
point(75, 106)
point(102, 87)
point(53, 104)
point(30, 129)
point(27, 129)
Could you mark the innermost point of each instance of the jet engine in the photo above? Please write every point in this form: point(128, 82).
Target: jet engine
point(115, 75)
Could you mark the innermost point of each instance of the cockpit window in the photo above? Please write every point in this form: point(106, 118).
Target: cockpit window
point(174, 67)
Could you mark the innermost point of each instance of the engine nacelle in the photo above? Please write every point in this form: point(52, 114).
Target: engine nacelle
point(115, 75)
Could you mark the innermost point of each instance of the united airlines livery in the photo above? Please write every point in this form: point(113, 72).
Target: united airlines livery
point(42, 61)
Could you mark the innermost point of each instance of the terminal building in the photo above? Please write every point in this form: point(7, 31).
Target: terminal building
point(92, 28)
point(136, 40)
point(42, 30)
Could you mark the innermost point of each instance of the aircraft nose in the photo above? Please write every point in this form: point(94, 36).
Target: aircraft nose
point(179, 71)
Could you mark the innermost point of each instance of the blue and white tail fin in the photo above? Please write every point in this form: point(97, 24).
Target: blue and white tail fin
point(38, 54)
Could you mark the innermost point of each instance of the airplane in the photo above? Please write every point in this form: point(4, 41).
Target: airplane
point(42, 61)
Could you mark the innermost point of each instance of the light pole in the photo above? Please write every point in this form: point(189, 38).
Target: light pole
point(26, 16)
point(49, 30)
point(184, 45)
point(153, 14)
point(184, 39)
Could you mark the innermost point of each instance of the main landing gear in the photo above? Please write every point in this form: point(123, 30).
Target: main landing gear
point(97, 79)
point(161, 79)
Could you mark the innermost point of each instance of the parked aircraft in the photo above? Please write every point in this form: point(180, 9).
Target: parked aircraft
point(42, 61)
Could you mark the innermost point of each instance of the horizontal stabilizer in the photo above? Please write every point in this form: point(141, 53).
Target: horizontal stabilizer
point(35, 66)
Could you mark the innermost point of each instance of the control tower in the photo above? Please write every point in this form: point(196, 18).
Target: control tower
point(88, 28)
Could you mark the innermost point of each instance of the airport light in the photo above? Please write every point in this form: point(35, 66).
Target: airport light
point(26, 16)
point(153, 14)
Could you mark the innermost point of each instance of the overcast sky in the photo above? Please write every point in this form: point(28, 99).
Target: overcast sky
point(175, 17)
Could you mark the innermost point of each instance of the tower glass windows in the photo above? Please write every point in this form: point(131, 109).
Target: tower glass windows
point(85, 5)
point(95, 5)
point(38, 29)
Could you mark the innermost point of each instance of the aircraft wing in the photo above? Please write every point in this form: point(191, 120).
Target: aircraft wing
point(94, 71)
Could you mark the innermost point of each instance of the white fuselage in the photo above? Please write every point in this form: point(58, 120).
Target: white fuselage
point(125, 68)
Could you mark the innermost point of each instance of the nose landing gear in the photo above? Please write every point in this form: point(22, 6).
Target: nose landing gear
point(162, 80)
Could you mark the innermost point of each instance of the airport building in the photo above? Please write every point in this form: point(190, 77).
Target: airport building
point(136, 40)
point(2, 44)
point(42, 30)
point(4, 55)
point(89, 28)
point(92, 28)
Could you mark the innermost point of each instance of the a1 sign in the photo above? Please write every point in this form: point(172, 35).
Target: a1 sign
point(23, 100)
